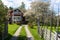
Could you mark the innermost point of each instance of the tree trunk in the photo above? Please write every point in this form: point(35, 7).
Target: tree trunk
point(6, 29)
point(38, 22)
point(5, 32)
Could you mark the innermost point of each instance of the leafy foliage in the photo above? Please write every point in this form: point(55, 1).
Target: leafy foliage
point(3, 12)
point(36, 12)
point(3, 15)
point(22, 7)
point(40, 12)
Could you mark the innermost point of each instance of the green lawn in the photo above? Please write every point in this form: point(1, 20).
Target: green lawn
point(53, 28)
point(11, 30)
point(35, 33)
point(22, 35)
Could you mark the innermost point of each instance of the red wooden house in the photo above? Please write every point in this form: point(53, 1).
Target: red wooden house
point(15, 16)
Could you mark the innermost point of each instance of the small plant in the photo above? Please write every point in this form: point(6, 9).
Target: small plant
point(31, 25)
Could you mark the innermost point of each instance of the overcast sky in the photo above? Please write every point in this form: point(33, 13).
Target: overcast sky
point(17, 3)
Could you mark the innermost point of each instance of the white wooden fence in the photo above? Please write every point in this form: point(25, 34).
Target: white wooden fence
point(47, 35)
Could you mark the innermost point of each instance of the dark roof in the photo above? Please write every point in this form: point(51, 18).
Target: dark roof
point(17, 9)
point(18, 14)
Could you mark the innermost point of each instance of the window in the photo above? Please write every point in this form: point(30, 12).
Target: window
point(18, 17)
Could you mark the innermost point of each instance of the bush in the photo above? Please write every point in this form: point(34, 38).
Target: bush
point(30, 25)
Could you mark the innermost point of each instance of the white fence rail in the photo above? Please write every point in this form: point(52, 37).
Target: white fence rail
point(47, 35)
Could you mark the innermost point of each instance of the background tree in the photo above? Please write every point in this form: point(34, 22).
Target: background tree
point(39, 8)
point(3, 19)
point(22, 7)
point(40, 14)
point(10, 8)
point(30, 17)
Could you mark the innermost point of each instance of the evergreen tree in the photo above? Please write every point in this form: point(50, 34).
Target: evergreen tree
point(3, 15)
point(22, 7)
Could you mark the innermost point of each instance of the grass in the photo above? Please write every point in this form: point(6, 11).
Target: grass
point(11, 30)
point(35, 33)
point(22, 35)
point(53, 28)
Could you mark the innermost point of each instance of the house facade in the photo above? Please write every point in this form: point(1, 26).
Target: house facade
point(15, 16)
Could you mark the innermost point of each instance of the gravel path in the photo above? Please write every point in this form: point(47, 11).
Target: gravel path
point(17, 33)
